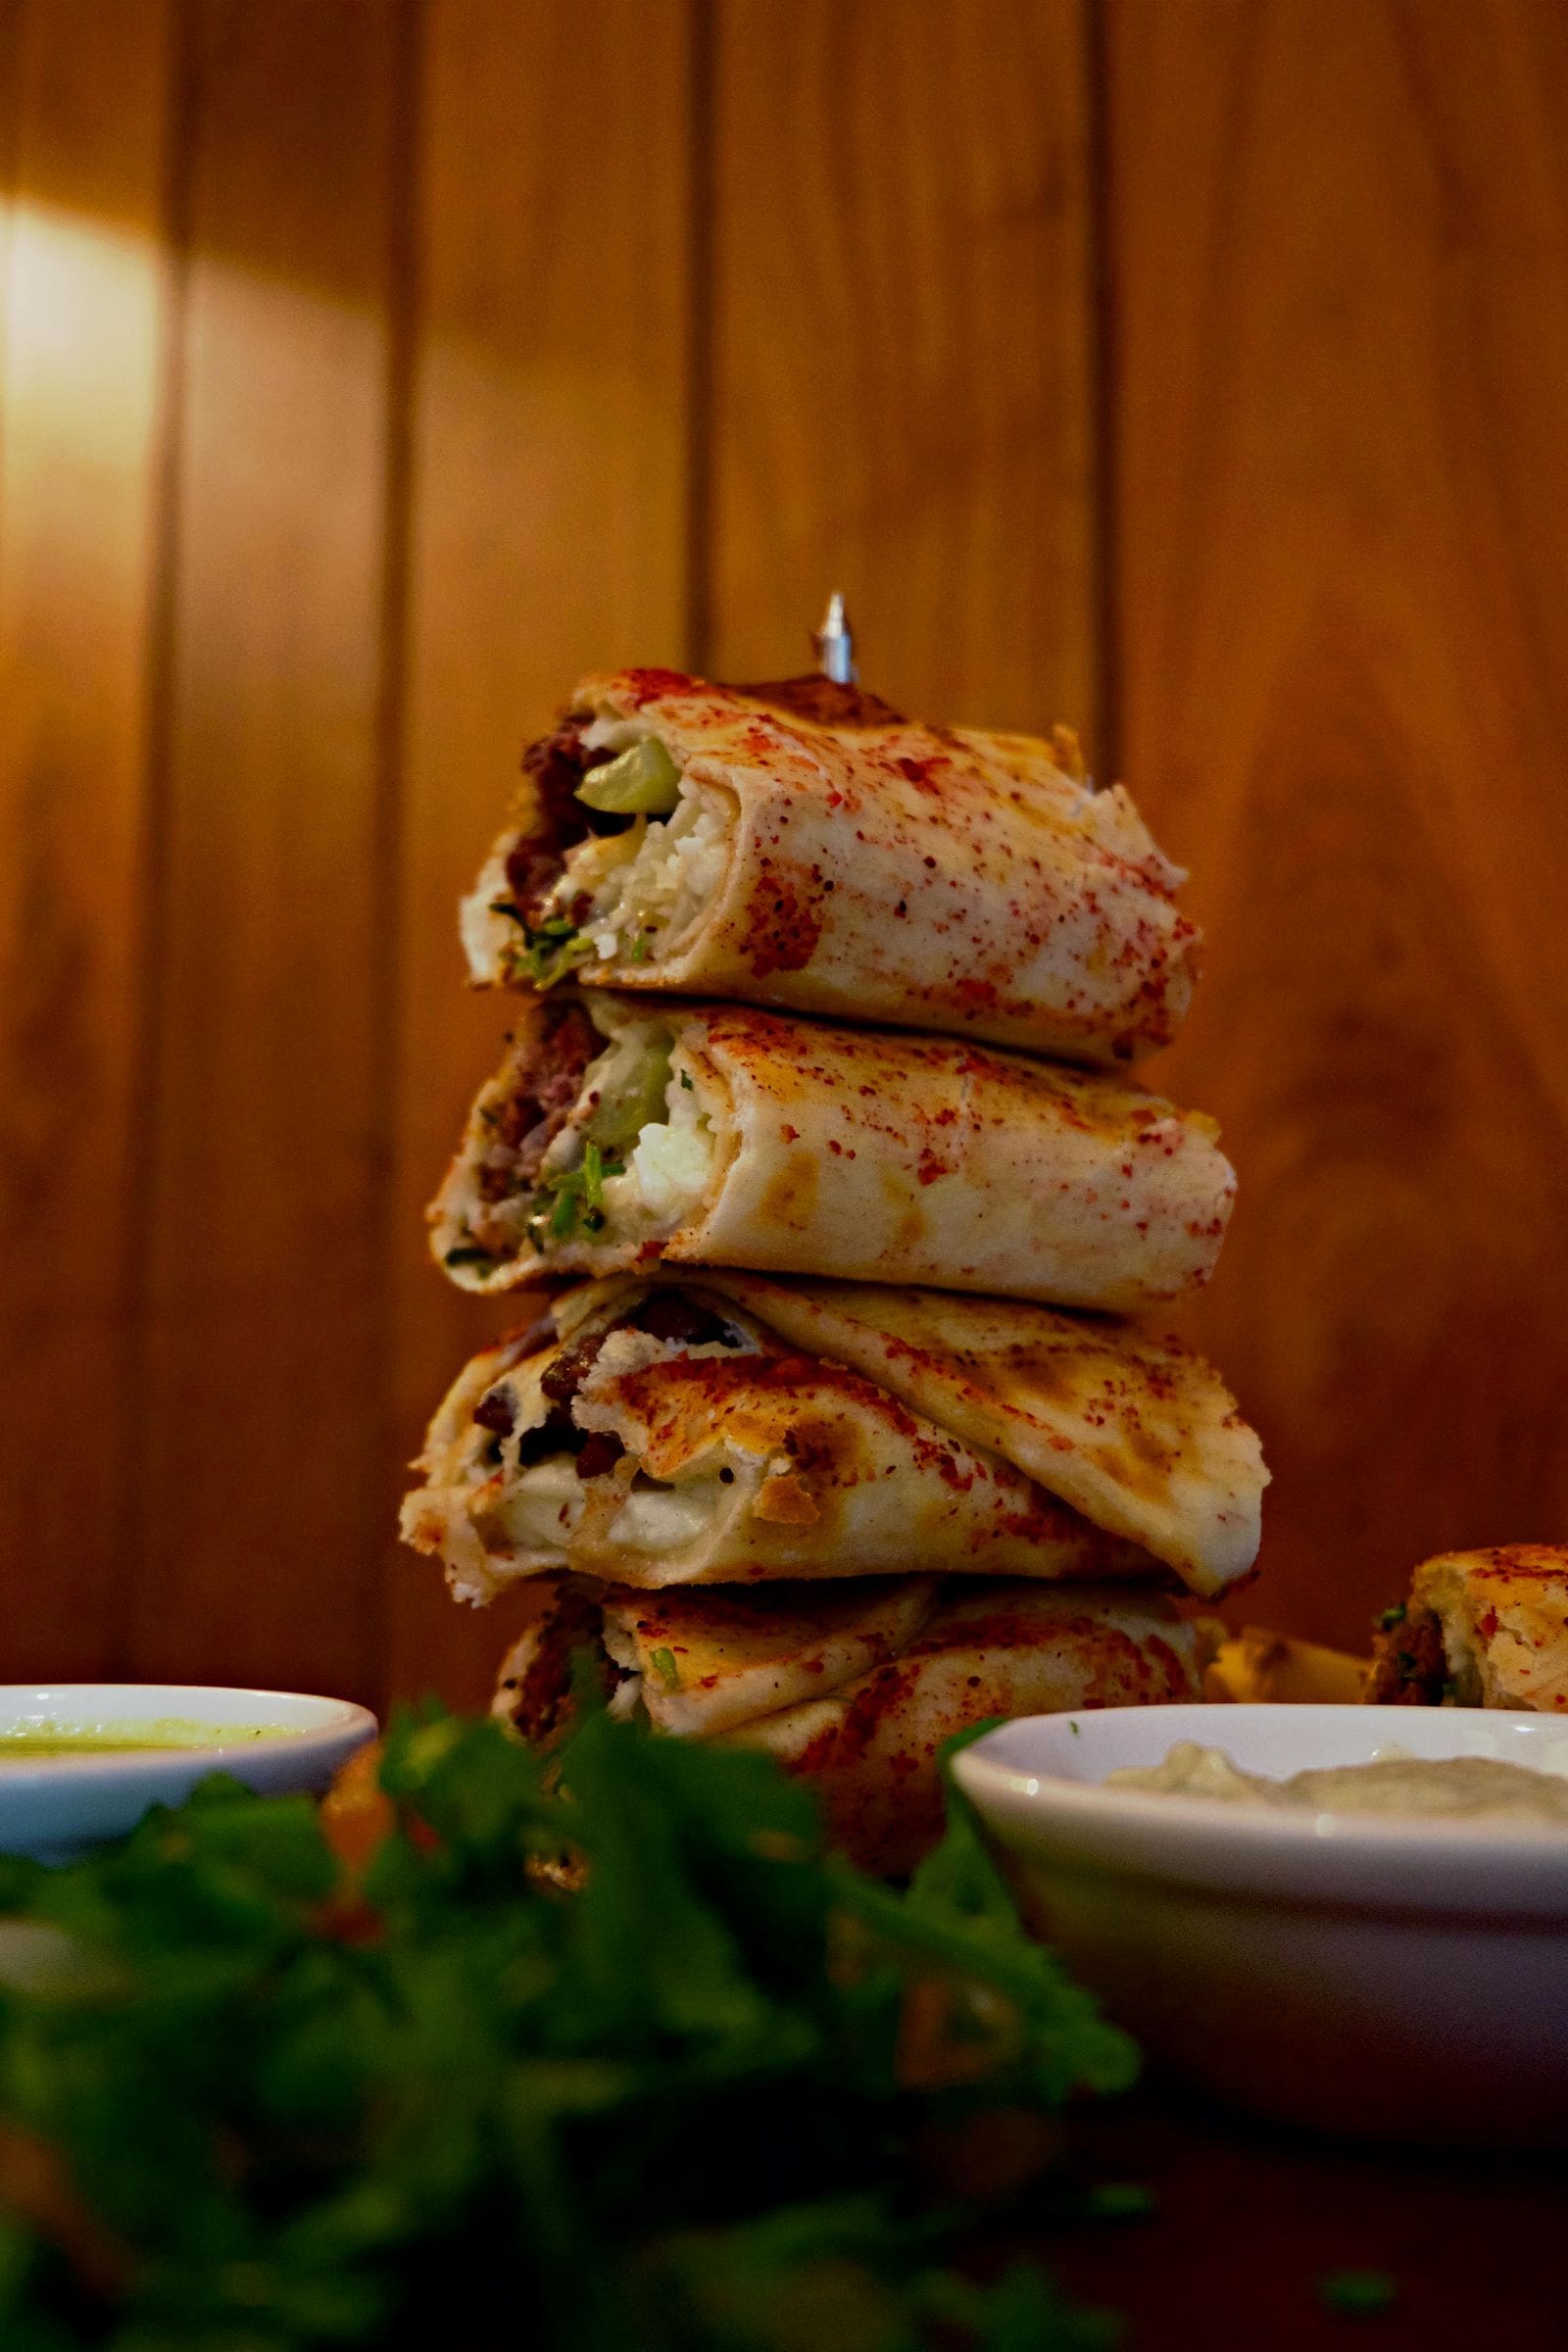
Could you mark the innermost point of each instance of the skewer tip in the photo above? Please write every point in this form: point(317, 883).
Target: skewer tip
point(835, 644)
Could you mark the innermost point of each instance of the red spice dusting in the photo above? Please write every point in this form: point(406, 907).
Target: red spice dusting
point(979, 994)
point(649, 685)
point(787, 938)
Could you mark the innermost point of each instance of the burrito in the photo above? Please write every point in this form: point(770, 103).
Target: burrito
point(619, 1133)
point(730, 1428)
point(851, 1686)
point(800, 844)
point(1481, 1629)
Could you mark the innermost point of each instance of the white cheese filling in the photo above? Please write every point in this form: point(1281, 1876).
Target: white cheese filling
point(669, 1166)
point(544, 1504)
point(654, 1519)
point(650, 884)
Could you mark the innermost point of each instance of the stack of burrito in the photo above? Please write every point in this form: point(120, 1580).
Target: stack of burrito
point(827, 1431)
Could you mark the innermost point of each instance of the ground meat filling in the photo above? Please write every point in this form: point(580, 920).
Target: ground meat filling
point(557, 765)
point(668, 1315)
point(540, 1697)
point(525, 1126)
point(824, 700)
point(1410, 1668)
point(663, 1315)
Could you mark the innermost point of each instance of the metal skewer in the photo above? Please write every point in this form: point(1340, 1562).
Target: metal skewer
point(835, 645)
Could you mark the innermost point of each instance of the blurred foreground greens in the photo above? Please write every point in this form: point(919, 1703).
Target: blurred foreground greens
point(252, 2101)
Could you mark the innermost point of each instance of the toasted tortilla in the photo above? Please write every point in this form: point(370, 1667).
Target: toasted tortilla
point(828, 856)
point(797, 1148)
point(794, 1433)
point(1135, 1432)
point(1481, 1629)
point(852, 1687)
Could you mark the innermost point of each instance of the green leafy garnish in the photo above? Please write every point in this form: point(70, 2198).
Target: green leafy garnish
point(1357, 2292)
point(271, 2106)
point(669, 1671)
point(641, 947)
point(1392, 1617)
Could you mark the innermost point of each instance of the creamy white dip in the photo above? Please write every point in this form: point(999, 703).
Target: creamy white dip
point(1453, 1787)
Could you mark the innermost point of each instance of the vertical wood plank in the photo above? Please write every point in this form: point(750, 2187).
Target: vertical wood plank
point(548, 538)
point(902, 391)
point(81, 385)
point(1341, 238)
point(258, 1465)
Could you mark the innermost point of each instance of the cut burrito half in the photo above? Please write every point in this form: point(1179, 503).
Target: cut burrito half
point(800, 844)
point(851, 1686)
point(730, 1428)
point(1481, 1629)
point(619, 1133)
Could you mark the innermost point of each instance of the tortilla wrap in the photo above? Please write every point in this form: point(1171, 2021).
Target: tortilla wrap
point(1481, 1629)
point(851, 1686)
point(729, 1429)
point(809, 848)
point(619, 1134)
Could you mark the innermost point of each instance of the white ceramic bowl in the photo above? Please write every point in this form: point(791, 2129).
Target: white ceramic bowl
point(277, 1741)
point(1391, 1978)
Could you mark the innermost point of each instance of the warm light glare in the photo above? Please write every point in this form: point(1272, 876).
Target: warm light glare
point(82, 338)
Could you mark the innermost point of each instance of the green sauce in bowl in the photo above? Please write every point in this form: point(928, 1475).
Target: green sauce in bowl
point(31, 1742)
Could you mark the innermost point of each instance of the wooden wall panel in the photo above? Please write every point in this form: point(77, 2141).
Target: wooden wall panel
point(80, 447)
point(548, 536)
point(901, 396)
point(1341, 251)
point(266, 1204)
point(367, 369)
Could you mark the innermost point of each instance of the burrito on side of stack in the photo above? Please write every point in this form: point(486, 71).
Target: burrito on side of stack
point(836, 1442)
point(1481, 1629)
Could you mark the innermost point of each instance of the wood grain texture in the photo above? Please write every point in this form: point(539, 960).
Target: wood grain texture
point(903, 349)
point(548, 537)
point(257, 1470)
point(80, 383)
point(1340, 248)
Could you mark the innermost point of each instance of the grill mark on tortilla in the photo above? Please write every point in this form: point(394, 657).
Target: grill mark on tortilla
point(790, 1195)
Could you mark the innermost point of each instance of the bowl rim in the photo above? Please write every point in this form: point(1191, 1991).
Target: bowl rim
point(1370, 1863)
point(336, 1721)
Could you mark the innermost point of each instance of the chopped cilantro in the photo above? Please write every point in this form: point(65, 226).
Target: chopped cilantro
point(686, 1082)
point(685, 2107)
point(640, 948)
point(1392, 1617)
point(1357, 2293)
point(669, 1672)
point(578, 1195)
point(1121, 2201)
point(552, 949)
